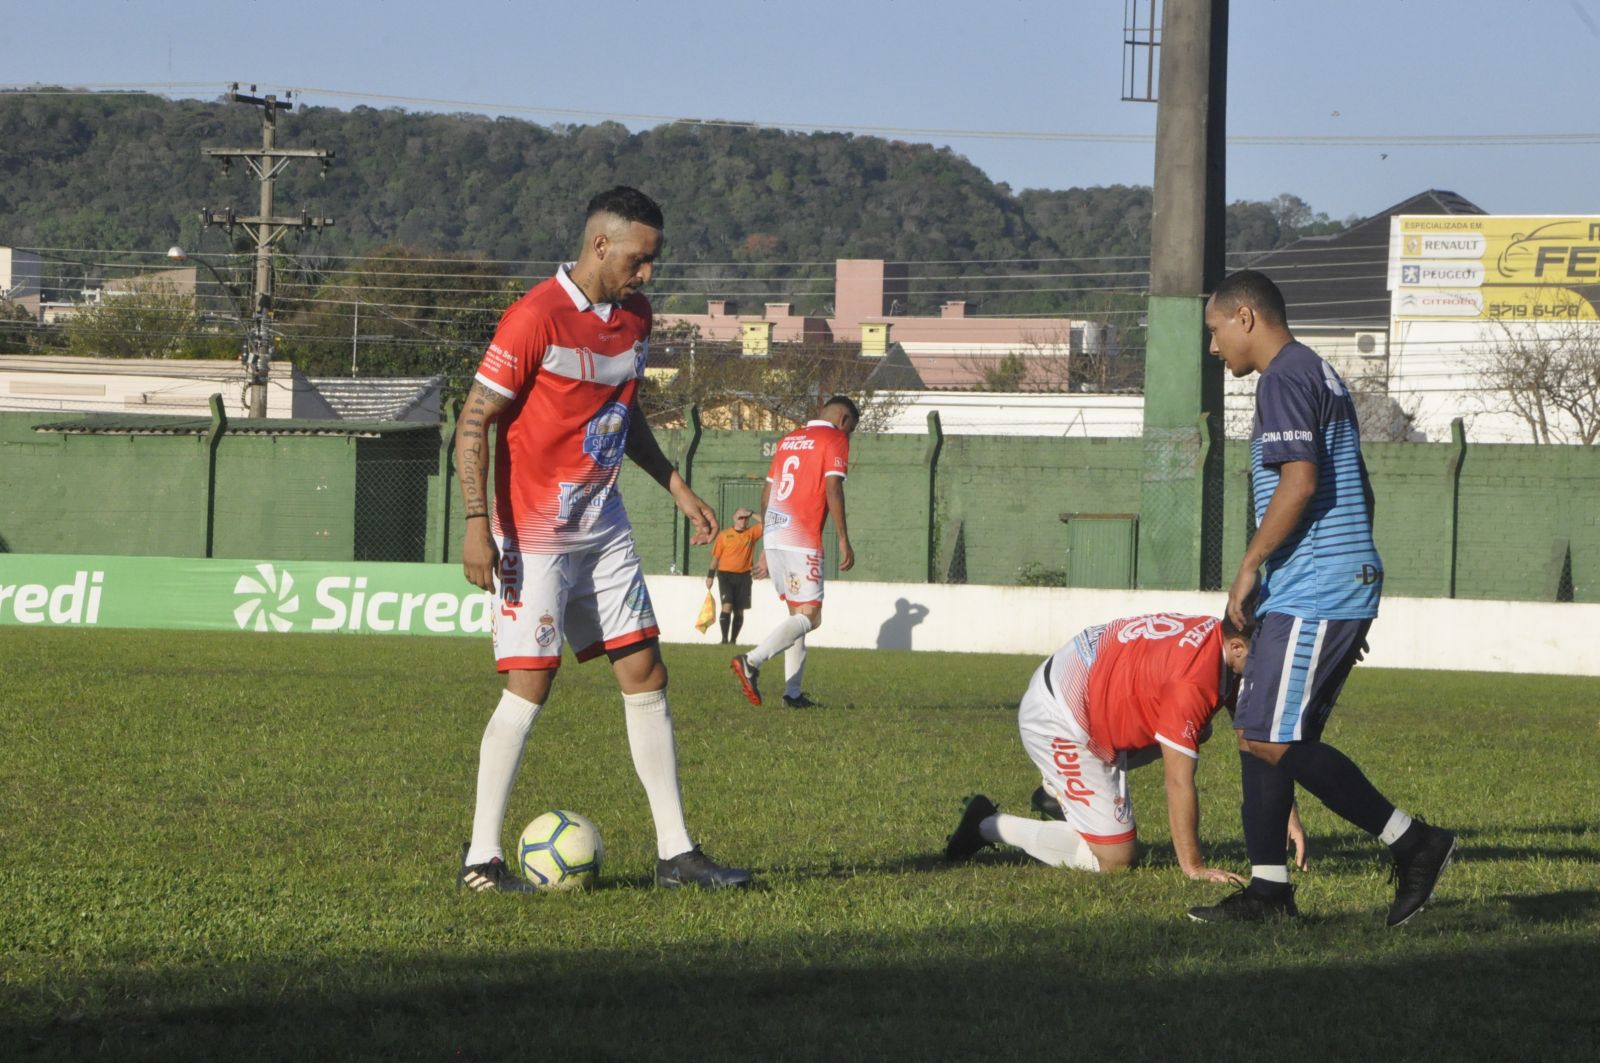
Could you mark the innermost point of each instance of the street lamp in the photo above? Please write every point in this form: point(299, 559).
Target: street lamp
point(257, 354)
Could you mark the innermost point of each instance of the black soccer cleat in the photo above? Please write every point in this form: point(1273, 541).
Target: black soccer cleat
point(748, 677)
point(799, 702)
point(1245, 905)
point(1417, 875)
point(491, 877)
point(1046, 805)
point(695, 868)
point(967, 838)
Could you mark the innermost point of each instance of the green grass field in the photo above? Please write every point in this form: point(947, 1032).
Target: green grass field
point(237, 846)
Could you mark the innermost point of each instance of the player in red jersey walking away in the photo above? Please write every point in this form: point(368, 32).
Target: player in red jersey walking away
point(1114, 698)
point(805, 486)
point(560, 380)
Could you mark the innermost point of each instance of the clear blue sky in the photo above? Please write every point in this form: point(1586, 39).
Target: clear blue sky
point(1371, 68)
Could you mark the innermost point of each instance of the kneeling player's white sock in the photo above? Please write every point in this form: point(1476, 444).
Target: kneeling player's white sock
point(794, 667)
point(795, 627)
point(1047, 841)
point(498, 756)
point(655, 758)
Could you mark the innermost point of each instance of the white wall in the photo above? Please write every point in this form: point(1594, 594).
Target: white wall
point(1020, 414)
point(137, 385)
point(1439, 633)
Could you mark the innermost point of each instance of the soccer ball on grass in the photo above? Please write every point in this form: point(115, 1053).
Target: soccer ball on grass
point(560, 851)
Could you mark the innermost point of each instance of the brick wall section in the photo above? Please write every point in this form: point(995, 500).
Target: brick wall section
point(1413, 494)
point(1517, 502)
point(1007, 494)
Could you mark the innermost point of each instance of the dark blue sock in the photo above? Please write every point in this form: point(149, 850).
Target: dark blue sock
point(1268, 796)
point(1333, 778)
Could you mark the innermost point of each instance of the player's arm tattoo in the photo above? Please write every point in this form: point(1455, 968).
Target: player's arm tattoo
point(643, 450)
point(472, 446)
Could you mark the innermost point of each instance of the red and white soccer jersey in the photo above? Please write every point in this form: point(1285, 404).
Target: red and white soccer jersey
point(571, 368)
point(796, 504)
point(1157, 678)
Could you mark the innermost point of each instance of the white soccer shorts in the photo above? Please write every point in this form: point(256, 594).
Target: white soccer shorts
point(594, 598)
point(796, 575)
point(1093, 794)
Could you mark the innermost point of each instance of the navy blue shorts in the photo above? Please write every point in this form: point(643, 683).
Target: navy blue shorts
point(1293, 676)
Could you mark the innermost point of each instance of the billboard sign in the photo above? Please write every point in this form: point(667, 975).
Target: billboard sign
point(1479, 267)
point(196, 594)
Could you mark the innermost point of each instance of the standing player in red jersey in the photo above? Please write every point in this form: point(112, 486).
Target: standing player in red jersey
point(1114, 698)
point(805, 486)
point(555, 546)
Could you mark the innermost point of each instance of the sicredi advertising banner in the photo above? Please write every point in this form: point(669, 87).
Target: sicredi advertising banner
point(1482, 267)
point(196, 594)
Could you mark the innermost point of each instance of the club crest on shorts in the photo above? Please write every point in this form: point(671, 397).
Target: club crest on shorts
point(638, 599)
point(545, 633)
point(1120, 809)
point(794, 583)
point(606, 435)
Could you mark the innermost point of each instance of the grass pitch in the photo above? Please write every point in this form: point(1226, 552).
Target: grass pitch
point(243, 846)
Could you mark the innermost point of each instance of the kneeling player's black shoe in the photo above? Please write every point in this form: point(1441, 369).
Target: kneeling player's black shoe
point(1248, 906)
point(695, 868)
point(967, 838)
point(1417, 874)
point(1046, 805)
point(800, 701)
point(490, 877)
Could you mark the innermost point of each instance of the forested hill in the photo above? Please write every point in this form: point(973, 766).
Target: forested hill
point(125, 172)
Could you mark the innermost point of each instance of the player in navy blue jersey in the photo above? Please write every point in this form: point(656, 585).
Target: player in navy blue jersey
point(1312, 607)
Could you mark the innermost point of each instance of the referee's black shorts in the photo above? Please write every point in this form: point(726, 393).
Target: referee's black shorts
point(734, 588)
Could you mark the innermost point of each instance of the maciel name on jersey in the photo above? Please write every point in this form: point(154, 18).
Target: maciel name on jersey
point(798, 444)
point(1294, 436)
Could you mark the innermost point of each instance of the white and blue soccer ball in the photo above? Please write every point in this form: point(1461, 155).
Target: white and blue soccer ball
point(561, 850)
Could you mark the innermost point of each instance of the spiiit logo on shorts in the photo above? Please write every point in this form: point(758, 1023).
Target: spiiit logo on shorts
point(638, 600)
point(606, 435)
point(545, 633)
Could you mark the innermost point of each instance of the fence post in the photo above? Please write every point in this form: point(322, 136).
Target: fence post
point(680, 544)
point(1458, 439)
point(219, 426)
point(439, 498)
point(930, 455)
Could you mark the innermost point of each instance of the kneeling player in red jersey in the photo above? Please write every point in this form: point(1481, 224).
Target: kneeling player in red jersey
point(1116, 697)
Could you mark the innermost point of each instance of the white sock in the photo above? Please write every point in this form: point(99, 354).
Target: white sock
point(1399, 823)
point(498, 756)
point(795, 627)
point(794, 667)
point(1047, 841)
point(1270, 872)
point(655, 758)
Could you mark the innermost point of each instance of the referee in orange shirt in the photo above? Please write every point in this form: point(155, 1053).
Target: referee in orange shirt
point(733, 554)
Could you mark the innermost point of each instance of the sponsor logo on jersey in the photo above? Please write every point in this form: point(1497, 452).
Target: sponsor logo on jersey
point(1066, 756)
point(606, 435)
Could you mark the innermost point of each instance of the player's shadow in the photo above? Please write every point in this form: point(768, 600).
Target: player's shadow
point(895, 632)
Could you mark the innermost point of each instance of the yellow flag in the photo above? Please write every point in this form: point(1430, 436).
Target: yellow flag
point(708, 613)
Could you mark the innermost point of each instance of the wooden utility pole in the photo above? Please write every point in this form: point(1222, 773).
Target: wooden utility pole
point(264, 228)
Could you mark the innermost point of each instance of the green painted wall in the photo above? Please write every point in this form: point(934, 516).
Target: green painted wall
point(1494, 521)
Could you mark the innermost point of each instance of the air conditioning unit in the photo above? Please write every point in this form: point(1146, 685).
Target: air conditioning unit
point(1372, 344)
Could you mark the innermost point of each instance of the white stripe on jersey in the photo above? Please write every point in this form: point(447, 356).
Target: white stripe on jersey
point(580, 363)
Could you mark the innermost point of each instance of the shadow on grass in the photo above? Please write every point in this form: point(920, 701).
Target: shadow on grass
point(1172, 986)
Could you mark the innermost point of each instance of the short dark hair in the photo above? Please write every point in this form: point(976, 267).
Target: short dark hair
point(847, 402)
point(1230, 630)
point(629, 204)
point(1254, 289)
